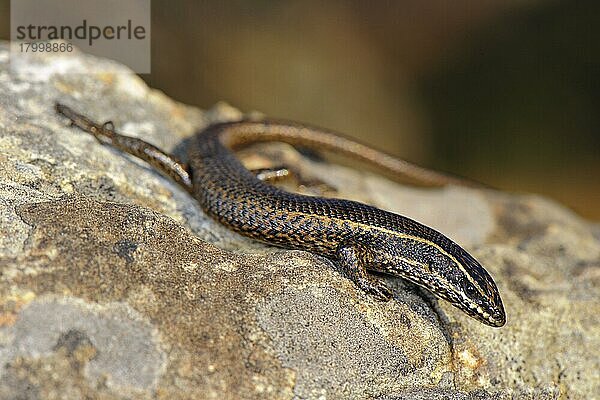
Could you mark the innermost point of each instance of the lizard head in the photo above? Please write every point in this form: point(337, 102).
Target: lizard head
point(462, 281)
point(433, 261)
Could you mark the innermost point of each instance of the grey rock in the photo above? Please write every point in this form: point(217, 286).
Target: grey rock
point(596, 230)
point(48, 324)
point(114, 284)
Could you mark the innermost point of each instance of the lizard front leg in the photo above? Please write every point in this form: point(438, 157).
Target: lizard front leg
point(352, 259)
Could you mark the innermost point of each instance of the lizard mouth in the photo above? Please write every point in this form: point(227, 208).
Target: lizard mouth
point(491, 315)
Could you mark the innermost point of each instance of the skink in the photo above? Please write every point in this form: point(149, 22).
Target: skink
point(357, 237)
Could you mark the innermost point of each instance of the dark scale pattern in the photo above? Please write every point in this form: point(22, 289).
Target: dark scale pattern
point(355, 236)
point(333, 227)
point(232, 194)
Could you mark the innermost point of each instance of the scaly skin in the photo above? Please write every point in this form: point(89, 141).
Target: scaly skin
point(356, 236)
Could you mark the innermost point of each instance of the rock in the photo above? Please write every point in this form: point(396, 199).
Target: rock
point(115, 284)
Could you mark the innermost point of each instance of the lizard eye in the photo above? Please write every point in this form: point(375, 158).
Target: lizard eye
point(470, 290)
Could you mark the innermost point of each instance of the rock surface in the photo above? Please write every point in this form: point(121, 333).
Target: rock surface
point(114, 284)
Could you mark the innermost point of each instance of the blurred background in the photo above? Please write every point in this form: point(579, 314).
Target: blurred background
point(506, 92)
